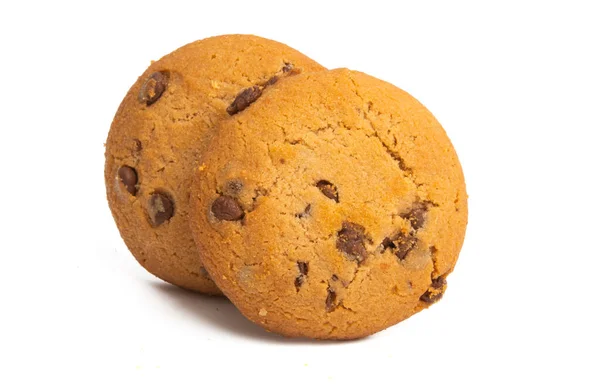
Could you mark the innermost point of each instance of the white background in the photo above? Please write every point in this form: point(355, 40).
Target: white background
point(517, 87)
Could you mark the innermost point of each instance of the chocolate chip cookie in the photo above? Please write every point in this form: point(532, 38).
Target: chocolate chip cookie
point(333, 209)
point(160, 130)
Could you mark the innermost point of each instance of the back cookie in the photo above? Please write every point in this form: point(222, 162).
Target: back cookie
point(161, 129)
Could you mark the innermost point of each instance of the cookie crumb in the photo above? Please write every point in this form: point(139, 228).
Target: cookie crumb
point(262, 313)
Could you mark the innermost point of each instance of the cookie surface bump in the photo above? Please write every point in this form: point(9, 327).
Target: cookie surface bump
point(334, 209)
point(159, 132)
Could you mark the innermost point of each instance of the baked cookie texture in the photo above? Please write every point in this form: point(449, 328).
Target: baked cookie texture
point(333, 208)
point(160, 131)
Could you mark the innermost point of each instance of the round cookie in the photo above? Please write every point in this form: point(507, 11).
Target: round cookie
point(159, 131)
point(334, 209)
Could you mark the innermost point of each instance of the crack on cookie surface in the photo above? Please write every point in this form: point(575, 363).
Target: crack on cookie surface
point(405, 168)
point(259, 192)
point(395, 156)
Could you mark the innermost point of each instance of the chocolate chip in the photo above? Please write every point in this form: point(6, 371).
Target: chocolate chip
point(328, 189)
point(387, 243)
point(436, 291)
point(330, 300)
point(400, 245)
point(351, 241)
point(433, 250)
point(431, 296)
point(153, 87)
point(160, 208)
point(272, 81)
point(227, 208)
point(416, 215)
point(244, 99)
point(438, 282)
point(305, 213)
point(287, 67)
point(303, 267)
point(128, 177)
point(404, 244)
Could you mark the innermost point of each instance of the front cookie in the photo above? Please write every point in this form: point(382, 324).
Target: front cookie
point(334, 209)
point(161, 129)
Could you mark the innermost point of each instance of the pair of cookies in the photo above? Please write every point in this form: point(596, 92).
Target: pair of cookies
point(324, 204)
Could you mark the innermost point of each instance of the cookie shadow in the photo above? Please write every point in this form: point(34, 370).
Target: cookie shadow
point(219, 312)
